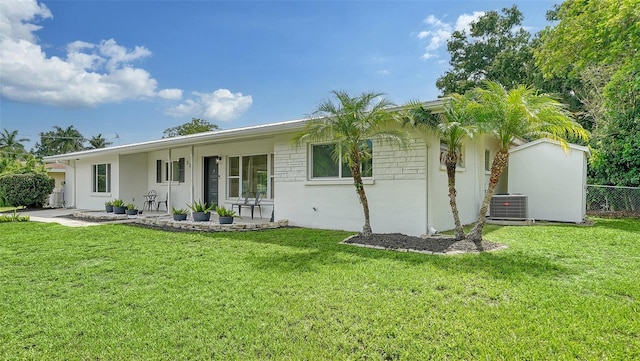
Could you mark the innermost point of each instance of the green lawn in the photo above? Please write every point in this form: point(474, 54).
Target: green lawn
point(115, 292)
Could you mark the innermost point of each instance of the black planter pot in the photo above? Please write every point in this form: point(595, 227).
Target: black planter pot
point(179, 217)
point(132, 212)
point(119, 210)
point(109, 209)
point(201, 216)
point(225, 220)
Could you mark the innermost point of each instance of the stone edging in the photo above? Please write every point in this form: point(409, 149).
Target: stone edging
point(168, 222)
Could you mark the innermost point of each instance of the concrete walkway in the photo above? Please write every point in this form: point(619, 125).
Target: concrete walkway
point(55, 215)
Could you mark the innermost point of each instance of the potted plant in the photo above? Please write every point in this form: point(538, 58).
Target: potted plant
point(108, 206)
point(226, 216)
point(179, 214)
point(118, 206)
point(201, 212)
point(131, 209)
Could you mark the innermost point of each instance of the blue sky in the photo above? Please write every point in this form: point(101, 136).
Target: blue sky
point(130, 69)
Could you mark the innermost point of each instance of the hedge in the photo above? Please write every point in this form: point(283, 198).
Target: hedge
point(29, 190)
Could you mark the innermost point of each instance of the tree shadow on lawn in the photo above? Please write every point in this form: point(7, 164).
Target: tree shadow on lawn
point(631, 225)
point(323, 249)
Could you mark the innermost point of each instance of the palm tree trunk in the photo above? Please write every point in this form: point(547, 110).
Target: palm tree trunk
point(500, 162)
point(451, 162)
point(357, 182)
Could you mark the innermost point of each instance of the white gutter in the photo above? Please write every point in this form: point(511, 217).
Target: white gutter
point(191, 185)
point(169, 180)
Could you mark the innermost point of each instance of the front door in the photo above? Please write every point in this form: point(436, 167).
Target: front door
point(211, 177)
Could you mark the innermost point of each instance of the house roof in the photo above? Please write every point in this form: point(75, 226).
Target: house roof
point(249, 132)
point(550, 141)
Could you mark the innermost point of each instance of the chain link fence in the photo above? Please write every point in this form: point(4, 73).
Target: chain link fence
point(613, 200)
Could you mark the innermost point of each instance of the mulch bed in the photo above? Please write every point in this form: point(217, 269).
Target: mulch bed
point(435, 244)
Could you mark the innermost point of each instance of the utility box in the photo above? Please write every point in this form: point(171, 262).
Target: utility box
point(508, 206)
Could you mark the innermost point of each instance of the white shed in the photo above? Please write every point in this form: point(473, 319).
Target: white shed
point(554, 180)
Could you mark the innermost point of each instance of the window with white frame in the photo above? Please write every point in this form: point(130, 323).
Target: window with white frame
point(101, 178)
point(324, 164)
point(173, 171)
point(251, 173)
point(444, 151)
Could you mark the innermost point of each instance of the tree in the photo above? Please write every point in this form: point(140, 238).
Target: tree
point(59, 141)
point(97, 142)
point(194, 126)
point(351, 123)
point(11, 146)
point(599, 42)
point(496, 48)
point(518, 113)
point(454, 125)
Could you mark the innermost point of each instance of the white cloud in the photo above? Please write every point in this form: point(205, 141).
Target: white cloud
point(172, 94)
point(464, 21)
point(89, 74)
point(439, 32)
point(220, 105)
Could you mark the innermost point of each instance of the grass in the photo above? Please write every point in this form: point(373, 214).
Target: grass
point(120, 292)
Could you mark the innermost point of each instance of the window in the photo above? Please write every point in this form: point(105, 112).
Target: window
point(487, 160)
point(323, 164)
point(444, 151)
point(250, 174)
point(175, 170)
point(101, 178)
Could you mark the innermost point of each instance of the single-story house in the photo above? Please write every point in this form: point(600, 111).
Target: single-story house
point(406, 189)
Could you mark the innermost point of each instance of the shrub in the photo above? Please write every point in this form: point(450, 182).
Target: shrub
point(29, 190)
point(13, 217)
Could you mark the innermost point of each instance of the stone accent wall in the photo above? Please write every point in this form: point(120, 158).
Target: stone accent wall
point(389, 162)
point(290, 162)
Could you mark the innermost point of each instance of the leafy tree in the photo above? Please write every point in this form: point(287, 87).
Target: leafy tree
point(97, 142)
point(454, 125)
point(350, 123)
point(59, 141)
point(28, 164)
point(496, 48)
point(599, 42)
point(29, 189)
point(11, 146)
point(517, 113)
point(194, 126)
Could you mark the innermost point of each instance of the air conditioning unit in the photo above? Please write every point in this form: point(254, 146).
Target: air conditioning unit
point(509, 206)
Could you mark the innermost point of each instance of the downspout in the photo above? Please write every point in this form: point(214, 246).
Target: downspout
point(191, 180)
point(170, 169)
point(426, 186)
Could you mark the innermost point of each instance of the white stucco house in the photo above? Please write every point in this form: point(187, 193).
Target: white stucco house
point(407, 190)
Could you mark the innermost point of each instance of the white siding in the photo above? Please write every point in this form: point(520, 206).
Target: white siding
point(554, 181)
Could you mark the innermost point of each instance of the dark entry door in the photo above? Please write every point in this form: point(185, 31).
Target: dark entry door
point(211, 177)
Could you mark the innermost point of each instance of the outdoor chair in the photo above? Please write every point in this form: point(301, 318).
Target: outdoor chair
point(165, 202)
point(246, 202)
point(150, 200)
point(243, 200)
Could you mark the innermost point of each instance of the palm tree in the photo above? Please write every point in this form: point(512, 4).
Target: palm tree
point(10, 146)
point(97, 142)
point(453, 126)
point(518, 113)
point(351, 123)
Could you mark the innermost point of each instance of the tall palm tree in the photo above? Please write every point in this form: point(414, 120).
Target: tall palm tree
point(350, 123)
point(97, 142)
point(518, 113)
point(453, 126)
point(10, 146)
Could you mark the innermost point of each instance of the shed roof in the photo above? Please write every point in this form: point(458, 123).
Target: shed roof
point(550, 141)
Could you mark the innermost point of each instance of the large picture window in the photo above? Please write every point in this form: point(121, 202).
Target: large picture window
point(251, 174)
point(324, 165)
point(101, 178)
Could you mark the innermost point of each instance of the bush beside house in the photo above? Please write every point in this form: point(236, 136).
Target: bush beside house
point(29, 190)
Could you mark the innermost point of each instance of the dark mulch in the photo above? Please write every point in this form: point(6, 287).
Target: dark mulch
point(436, 244)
